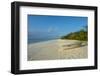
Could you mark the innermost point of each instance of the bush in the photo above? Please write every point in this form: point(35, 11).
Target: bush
point(79, 35)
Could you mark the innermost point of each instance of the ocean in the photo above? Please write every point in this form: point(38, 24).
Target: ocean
point(39, 40)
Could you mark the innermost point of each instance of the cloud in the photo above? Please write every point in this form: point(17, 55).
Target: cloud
point(52, 29)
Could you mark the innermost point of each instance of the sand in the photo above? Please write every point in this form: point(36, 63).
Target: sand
point(57, 49)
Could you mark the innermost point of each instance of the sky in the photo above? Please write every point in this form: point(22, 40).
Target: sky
point(41, 26)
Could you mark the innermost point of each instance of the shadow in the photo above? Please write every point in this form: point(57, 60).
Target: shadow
point(73, 46)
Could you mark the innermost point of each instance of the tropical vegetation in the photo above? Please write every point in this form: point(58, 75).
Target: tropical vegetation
point(81, 35)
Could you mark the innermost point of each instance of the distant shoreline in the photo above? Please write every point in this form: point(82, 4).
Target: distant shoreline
point(41, 40)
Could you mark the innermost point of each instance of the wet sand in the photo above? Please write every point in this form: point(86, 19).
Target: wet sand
point(57, 49)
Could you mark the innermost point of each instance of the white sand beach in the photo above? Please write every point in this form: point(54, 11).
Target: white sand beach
point(57, 49)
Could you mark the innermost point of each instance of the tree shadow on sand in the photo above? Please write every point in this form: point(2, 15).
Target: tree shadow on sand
point(74, 45)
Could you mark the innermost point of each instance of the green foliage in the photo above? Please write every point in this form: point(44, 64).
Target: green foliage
point(79, 35)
